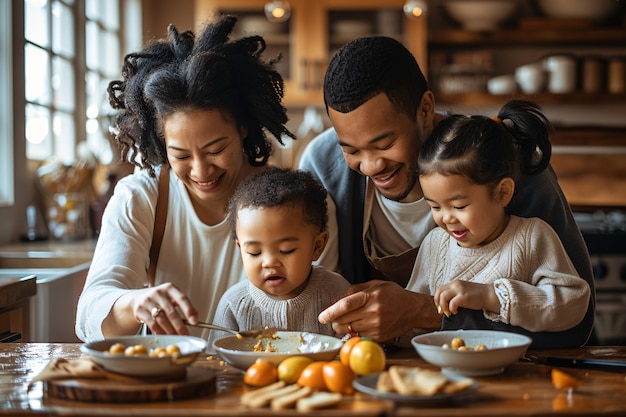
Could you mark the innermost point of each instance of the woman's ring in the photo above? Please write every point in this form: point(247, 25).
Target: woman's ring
point(155, 312)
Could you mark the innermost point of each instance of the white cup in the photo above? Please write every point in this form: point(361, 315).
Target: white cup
point(502, 84)
point(562, 74)
point(530, 77)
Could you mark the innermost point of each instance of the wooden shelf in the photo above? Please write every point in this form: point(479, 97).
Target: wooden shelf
point(483, 98)
point(589, 136)
point(514, 37)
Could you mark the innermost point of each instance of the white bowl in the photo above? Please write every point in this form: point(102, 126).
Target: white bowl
point(503, 349)
point(240, 352)
point(578, 9)
point(480, 15)
point(144, 366)
point(258, 25)
point(502, 84)
point(352, 27)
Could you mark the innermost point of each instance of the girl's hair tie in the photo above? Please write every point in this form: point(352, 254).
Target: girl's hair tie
point(506, 122)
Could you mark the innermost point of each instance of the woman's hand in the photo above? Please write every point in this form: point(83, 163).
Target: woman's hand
point(381, 310)
point(159, 307)
point(448, 298)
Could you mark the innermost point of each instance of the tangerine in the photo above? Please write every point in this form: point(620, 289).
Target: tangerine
point(562, 380)
point(260, 374)
point(338, 377)
point(346, 348)
point(313, 376)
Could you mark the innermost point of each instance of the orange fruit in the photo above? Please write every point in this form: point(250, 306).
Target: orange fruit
point(367, 357)
point(260, 374)
point(562, 380)
point(338, 377)
point(289, 369)
point(313, 376)
point(346, 348)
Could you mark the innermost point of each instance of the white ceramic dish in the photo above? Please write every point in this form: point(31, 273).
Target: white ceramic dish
point(258, 25)
point(480, 15)
point(579, 9)
point(502, 84)
point(144, 366)
point(367, 385)
point(352, 27)
point(503, 349)
point(240, 352)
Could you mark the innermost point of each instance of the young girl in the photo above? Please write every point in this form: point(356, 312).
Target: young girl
point(513, 269)
point(278, 219)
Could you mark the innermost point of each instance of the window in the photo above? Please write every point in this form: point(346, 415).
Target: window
point(50, 78)
point(6, 122)
point(73, 48)
point(103, 47)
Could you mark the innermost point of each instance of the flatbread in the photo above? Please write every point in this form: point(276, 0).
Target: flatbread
point(320, 399)
point(412, 380)
point(385, 383)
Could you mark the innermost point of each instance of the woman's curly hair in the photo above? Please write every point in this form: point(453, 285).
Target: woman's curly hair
point(213, 73)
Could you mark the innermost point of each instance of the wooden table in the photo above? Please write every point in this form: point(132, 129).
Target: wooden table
point(524, 389)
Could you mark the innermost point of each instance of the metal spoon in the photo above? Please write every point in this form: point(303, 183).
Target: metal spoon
point(266, 332)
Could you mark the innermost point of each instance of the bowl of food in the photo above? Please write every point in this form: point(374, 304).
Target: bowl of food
point(471, 352)
point(243, 352)
point(146, 356)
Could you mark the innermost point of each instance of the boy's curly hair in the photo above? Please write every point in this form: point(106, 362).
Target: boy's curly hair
point(276, 187)
point(180, 74)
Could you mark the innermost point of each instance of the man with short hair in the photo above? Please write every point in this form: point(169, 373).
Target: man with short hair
point(381, 109)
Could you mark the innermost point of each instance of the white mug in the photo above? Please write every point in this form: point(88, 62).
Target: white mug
point(530, 77)
point(562, 74)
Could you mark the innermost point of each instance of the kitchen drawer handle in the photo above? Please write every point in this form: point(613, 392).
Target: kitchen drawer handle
point(9, 336)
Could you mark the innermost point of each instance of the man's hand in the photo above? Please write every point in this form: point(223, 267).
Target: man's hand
point(381, 310)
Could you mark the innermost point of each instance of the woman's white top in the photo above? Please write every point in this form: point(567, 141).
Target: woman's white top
point(202, 261)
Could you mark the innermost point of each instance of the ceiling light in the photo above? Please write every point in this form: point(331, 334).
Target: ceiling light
point(415, 8)
point(277, 11)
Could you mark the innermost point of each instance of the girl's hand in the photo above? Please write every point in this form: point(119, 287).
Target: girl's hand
point(448, 298)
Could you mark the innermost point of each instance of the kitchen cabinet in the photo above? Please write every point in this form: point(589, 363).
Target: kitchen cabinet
point(15, 293)
point(461, 61)
point(315, 30)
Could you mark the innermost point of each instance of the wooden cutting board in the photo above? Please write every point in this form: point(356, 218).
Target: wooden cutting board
point(198, 382)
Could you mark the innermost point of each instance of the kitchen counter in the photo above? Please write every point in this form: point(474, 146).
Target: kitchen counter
point(60, 268)
point(524, 389)
point(47, 254)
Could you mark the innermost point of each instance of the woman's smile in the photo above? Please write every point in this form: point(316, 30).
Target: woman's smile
point(206, 186)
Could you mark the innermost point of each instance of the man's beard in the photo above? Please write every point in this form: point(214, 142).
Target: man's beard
point(412, 178)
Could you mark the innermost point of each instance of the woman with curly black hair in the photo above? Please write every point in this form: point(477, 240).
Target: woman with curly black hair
point(200, 109)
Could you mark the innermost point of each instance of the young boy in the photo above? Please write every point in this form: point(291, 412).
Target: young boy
point(279, 219)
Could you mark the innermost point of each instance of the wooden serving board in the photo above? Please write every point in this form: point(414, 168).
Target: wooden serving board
point(198, 382)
